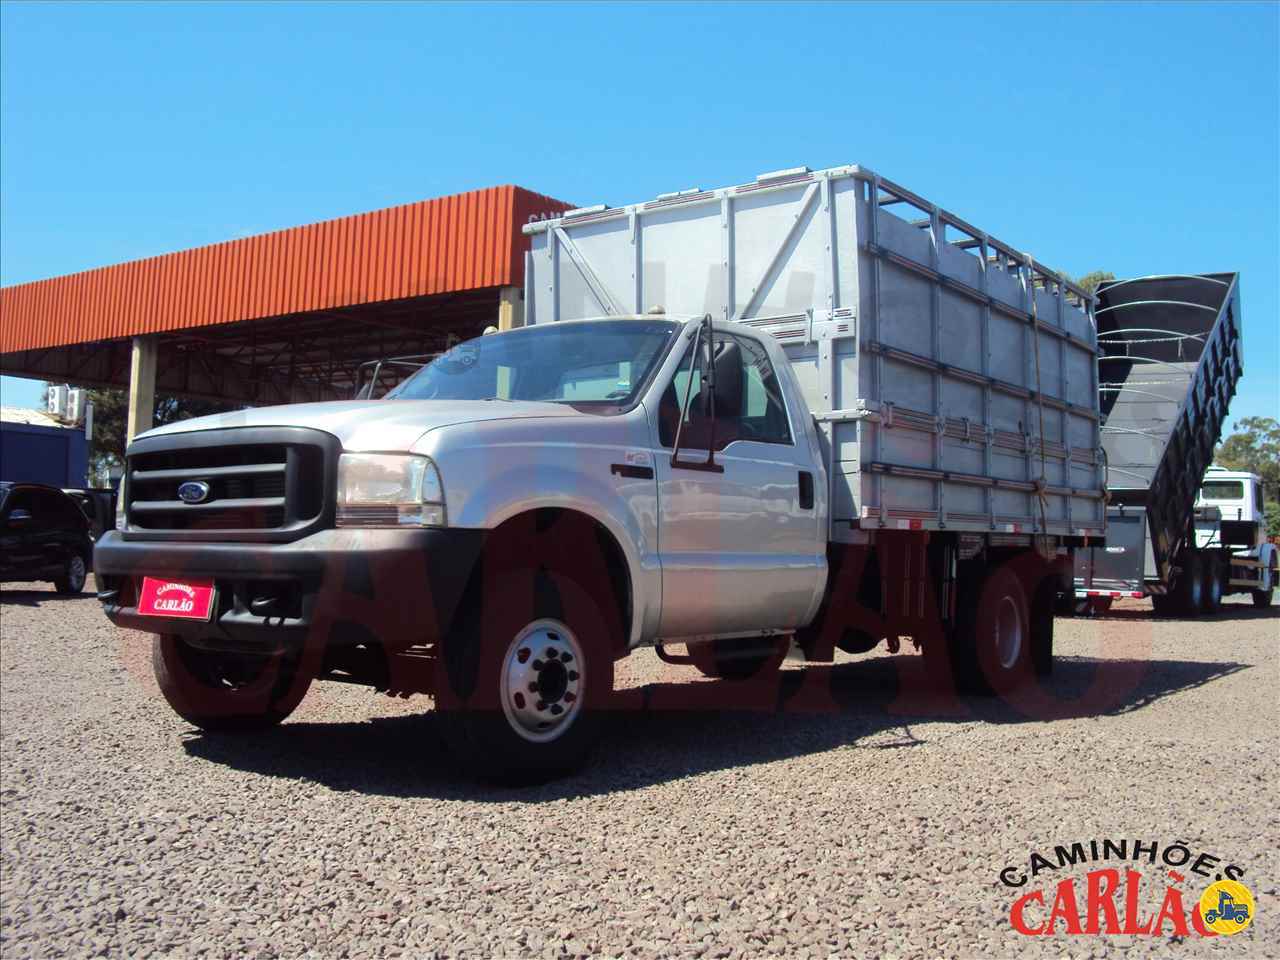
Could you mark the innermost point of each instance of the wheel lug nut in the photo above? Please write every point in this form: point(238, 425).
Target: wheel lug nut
point(538, 664)
point(556, 709)
point(566, 657)
point(569, 697)
point(550, 653)
point(533, 687)
point(524, 654)
point(540, 705)
point(519, 699)
point(573, 675)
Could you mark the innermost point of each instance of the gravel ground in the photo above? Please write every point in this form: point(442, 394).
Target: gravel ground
point(845, 813)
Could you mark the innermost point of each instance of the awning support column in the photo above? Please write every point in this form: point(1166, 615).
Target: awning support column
point(510, 308)
point(142, 385)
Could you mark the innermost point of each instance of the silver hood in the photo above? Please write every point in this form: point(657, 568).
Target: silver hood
point(386, 425)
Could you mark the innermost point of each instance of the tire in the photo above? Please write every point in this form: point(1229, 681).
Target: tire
point(1263, 598)
point(74, 576)
point(716, 660)
point(1042, 626)
point(1190, 585)
point(525, 681)
point(227, 692)
point(991, 650)
point(1100, 606)
point(1211, 590)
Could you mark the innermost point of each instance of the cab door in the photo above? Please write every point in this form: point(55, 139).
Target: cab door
point(21, 548)
point(738, 536)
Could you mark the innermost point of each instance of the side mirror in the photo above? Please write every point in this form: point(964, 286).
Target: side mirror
point(19, 517)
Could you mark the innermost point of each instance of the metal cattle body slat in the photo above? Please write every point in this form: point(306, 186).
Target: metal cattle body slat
point(928, 360)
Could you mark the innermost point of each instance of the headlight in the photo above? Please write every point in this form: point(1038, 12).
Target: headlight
point(389, 490)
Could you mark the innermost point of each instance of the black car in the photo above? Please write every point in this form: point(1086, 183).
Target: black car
point(99, 506)
point(44, 535)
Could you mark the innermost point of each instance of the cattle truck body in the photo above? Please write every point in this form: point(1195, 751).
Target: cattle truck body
point(953, 378)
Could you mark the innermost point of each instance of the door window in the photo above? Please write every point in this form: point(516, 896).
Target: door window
point(21, 501)
point(756, 412)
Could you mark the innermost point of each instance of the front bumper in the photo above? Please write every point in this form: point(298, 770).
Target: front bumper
point(399, 588)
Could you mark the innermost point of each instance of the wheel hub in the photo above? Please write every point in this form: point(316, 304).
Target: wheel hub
point(1008, 633)
point(542, 681)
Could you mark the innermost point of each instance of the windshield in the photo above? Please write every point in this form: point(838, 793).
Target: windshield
point(1222, 490)
point(604, 362)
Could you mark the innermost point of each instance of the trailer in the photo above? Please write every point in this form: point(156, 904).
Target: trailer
point(1178, 531)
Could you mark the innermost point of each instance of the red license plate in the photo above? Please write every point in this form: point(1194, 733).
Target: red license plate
point(184, 599)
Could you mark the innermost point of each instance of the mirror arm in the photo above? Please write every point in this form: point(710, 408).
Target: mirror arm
point(709, 465)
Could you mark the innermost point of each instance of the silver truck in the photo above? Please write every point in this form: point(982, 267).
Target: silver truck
point(808, 413)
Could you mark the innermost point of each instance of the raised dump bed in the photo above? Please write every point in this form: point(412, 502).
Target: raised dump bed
point(1171, 359)
point(954, 377)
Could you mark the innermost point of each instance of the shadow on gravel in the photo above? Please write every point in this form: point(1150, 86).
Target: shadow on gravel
point(666, 731)
point(1228, 613)
point(38, 598)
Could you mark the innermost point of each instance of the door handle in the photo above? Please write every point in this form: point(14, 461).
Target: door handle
point(631, 471)
point(806, 490)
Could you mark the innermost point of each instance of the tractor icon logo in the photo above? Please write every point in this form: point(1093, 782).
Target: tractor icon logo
point(1227, 906)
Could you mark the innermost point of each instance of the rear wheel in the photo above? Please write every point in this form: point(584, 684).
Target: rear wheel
point(73, 576)
point(1165, 604)
point(1262, 597)
point(523, 690)
point(1211, 591)
point(992, 646)
point(220, 691)
point(1190, 585)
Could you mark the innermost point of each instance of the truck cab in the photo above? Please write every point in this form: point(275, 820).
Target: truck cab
point(1238, 501)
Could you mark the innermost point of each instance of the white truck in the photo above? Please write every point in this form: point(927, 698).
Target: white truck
point(1179, 531)
point(814, 411)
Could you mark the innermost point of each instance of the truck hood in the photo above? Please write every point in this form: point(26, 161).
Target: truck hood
point(386, 425)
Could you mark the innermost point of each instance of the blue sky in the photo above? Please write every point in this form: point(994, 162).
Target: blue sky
point(1137, 138)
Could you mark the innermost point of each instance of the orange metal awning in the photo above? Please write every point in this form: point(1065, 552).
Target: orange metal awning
point(453, 244)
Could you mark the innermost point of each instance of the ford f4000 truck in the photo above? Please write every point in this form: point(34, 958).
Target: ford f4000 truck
point(810, 412)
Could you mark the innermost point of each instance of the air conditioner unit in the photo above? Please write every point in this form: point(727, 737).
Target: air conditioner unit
point(58, 400)
point(75, 405)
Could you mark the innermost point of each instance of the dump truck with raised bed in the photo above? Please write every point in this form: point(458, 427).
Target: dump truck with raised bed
point(810, 412)
point(1179, 531)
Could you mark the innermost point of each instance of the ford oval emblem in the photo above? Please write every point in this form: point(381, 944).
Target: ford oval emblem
point(193, 491)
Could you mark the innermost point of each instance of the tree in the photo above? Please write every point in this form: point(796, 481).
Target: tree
point(1255, 447)
point(1090, 281)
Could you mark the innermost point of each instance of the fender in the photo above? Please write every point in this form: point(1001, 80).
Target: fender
point(504, 495)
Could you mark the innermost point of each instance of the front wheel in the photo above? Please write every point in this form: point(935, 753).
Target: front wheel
point(73, 576)
point(526, 680)
point(226, 692)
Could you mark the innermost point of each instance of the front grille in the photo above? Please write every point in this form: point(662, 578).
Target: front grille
point(251, 481)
